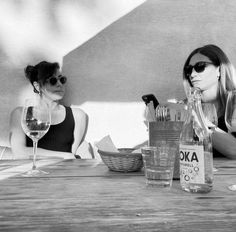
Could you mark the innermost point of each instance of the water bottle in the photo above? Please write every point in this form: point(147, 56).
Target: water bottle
point(195, 148)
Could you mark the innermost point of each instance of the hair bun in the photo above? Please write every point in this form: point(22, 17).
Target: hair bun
point(31, 73)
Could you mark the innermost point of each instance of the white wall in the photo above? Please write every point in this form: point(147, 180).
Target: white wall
point(141, 52)
point(32, 31)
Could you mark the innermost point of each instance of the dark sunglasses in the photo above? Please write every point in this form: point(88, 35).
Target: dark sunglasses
point(53, 80)
point(198, 67)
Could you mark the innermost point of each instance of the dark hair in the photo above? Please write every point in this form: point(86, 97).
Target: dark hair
point(40, 72)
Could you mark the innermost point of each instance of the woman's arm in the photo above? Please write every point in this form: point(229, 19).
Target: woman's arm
point(81, 126)
point(18, 142)
point(225, 143)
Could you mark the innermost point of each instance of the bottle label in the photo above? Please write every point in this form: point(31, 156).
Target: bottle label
point(192, 169)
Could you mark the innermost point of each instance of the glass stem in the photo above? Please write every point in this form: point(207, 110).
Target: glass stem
point(35, 145)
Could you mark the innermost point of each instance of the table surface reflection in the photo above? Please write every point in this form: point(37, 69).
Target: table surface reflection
point(83, 195)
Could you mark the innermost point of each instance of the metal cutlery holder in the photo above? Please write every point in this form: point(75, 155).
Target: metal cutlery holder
point(168, 131)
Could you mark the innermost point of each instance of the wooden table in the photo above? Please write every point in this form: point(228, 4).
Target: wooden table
point(82, 195)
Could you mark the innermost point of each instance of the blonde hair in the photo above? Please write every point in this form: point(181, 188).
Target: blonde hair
point(227, 80)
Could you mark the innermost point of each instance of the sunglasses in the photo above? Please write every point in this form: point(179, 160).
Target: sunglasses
point(54, 80)
point(198, 67)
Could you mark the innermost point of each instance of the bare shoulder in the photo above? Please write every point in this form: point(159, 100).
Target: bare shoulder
point(79, 113)
point(16, 112)
point(15, 117)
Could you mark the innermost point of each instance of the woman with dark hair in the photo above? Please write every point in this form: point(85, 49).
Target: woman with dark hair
point(209, 69)
point(68, 126)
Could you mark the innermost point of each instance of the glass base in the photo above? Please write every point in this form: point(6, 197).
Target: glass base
point(197, 188)
point(34, 172)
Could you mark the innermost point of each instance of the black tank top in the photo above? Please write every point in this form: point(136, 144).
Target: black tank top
point(59, 137)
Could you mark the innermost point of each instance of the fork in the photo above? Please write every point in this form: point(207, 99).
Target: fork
point(161, 113)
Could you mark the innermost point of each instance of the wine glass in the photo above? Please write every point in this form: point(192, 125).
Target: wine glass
point(230, 120)
point(35, 121)
point(230, 112)
point(210, 113)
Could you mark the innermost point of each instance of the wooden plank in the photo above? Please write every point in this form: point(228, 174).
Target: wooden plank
point(11, 168)
point(91, 168)
point(111, 203)
point(121, 204)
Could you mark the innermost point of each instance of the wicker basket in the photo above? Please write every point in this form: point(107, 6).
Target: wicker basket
point(122, 161)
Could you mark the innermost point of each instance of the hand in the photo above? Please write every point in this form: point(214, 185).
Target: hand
point(69, 157)
point(209, 124)
point(43, 157)
point(65, 156)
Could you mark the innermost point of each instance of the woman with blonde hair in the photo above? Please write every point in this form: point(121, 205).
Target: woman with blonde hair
point(209, 69)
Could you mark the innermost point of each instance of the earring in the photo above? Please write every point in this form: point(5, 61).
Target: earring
point(37, 88)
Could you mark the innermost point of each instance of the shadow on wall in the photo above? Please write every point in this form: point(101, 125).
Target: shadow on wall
point(129, 58)
point(32, 31)
point(13, 89)
point(142, 53)
point(109, 74)
point(145, 51)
